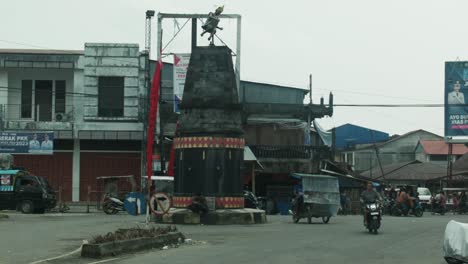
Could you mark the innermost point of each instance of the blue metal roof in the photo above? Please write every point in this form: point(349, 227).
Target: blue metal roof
point(349, 135)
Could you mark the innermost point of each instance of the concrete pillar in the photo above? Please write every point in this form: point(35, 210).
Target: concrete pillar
point(3, 97)
point(3, 87)
point(76, 171)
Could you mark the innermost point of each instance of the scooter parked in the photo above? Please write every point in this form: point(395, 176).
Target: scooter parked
point(112, 205)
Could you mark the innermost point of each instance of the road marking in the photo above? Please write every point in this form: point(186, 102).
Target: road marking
point(61, 256)
point(102, 261)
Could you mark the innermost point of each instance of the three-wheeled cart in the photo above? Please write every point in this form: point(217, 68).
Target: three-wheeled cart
point(320, 198)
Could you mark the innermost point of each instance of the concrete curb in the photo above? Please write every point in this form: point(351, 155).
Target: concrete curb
point(129, 246)
point(218, 217)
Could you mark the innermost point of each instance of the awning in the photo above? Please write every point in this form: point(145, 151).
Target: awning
point(250, 156)
point(305, 175)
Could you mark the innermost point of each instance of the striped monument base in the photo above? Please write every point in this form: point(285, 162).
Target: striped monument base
point(219, 202)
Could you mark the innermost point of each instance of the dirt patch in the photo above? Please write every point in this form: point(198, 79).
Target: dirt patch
point(132, 233)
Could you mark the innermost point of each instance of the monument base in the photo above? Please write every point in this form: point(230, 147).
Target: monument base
point(244, 216)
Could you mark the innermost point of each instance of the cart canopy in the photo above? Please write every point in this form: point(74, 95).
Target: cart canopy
point(456, 240)
point(319, 189)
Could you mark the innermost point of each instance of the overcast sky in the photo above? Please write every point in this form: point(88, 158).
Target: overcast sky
point(364, 51)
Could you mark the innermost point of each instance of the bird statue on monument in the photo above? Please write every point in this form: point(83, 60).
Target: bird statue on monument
point(211, 24)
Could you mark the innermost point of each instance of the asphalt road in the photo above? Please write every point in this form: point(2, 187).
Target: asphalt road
point(29, 238)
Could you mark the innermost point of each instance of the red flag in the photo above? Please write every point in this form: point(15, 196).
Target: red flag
point(153, 113)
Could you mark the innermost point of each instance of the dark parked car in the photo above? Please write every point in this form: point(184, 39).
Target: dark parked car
point(19, 190)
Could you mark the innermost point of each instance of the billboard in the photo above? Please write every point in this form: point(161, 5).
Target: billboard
point(27, 143)
point(456, 90)
point(181, 62)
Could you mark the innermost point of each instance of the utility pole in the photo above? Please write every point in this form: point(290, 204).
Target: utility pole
point(145, 102)
point(377, 155)
point(309, 122)
point(449, 164)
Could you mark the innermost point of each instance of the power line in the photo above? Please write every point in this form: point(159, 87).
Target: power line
point(18, 90)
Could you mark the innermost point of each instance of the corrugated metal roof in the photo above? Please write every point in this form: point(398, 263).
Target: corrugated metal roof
point(396, 138)
point(41, 51)
point(440, 147)
point(461, 164)
point(270, 93)
point(414, 170)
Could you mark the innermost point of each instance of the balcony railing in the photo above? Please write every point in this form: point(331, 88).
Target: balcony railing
point(38, 112)
point(290, 152)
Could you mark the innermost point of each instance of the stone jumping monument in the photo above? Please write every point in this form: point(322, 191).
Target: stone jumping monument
point(209, 143)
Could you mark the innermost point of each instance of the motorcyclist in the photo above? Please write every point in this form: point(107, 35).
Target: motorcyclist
point(404, 200)
point(462, 202)
point(392, 194)
point(439, 200)
point(369, 196)
point(298, 201)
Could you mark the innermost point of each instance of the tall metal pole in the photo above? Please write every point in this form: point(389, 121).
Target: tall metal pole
point(149, 15)
point(309, 122)
point(378, 156)
point(145, 102)
point(449, 164)
point(310, 89)
point(238, 53)
point(194, 33)
point(161, 132)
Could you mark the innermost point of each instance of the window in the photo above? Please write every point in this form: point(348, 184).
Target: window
point(349, 158)
point(438, 158)
point(59, 96)
point(26, 99)
point(111, 96)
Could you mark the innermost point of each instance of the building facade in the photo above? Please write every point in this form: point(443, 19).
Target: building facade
point(90, 100)
point(437, 151)
point(397, 149)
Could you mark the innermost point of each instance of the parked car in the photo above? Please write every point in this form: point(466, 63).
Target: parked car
point(23, 191)
point(424, 197)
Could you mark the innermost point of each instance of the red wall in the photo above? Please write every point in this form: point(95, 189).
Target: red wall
point(94, 164)
point(57, 168)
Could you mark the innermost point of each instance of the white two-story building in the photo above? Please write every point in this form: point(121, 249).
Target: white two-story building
point(90, 99)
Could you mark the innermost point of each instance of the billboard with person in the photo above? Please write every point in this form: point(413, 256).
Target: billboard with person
point(456, 90)
point(181, 62)
point(30, 142)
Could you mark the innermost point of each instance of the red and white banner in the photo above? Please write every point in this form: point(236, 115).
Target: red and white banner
point(181, 62)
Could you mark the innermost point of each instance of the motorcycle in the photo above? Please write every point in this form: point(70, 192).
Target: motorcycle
point(438, 208)
point(250, 200)
point(462, 208)
point(373, 215)
point(112, 205)
point(387, 206)
point(399, 210)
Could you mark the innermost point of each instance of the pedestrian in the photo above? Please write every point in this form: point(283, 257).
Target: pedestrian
point(455, 201)
point(343, 198)
point(198, 205)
